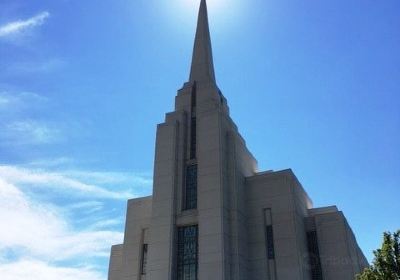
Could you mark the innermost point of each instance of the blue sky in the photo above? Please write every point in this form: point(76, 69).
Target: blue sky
point(313, 85)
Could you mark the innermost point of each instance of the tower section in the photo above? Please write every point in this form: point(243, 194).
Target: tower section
point(212, 215)
point(197, 225)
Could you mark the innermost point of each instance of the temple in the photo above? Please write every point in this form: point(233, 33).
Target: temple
point(213, 215)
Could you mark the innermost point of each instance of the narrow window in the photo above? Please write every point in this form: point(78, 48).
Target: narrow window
point(143, 265)
point(313, 251)
point(191, 187)
point(193, 124)
point(187, 253)
point(270, 242)
point(269, 234)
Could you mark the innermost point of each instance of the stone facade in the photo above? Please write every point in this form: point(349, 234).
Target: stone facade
point(212, 215)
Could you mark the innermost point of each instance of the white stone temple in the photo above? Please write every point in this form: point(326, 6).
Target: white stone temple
point(213, 215)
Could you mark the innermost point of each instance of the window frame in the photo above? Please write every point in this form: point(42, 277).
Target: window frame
point(187, 252)
point(190, 189)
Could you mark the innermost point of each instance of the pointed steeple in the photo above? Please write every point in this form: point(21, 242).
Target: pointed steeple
point(202, 68)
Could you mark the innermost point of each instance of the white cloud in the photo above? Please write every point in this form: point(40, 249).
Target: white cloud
point(4, 100)
point(42, 231)
point(31, 132)
point(87, 207)
point(38, 270)
point(17, 100)
point(42, 239)
point(19, 26)
point(19, 130)
point(105, 223)
point(25, 222)
point(59, 182)
point(141, 179)
point(39, 230)
point(51, 162)
point(87, 204)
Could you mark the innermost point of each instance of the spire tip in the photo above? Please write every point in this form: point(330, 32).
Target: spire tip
point(202, 68)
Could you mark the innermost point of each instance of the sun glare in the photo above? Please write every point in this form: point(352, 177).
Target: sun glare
point(217, 9)
point(213, 5)
point(223, 14)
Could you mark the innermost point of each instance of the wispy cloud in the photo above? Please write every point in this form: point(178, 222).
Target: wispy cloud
point(57, 181)
point(57, 214)
point(30, 132)
point(19, 26)
point(87, 207)
point(105, 224)
point(12, 101)
point(17, 126)
point(39, 270)
point(51, 162)
point(139, 179)
point(39, 230)
point(4, 101)
point(87, 204)
point(76, 223)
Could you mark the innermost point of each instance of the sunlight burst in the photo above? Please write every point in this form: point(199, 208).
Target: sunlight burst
point(213, 5)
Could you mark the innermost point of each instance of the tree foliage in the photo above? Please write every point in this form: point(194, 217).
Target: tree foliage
point(386, 264)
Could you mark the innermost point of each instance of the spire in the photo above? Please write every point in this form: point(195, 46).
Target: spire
point(202, 68)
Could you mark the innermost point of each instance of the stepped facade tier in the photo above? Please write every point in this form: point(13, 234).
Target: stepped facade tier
point(213, 215)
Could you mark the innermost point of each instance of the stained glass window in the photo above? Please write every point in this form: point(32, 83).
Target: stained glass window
point(191, 187)
point(187, 252)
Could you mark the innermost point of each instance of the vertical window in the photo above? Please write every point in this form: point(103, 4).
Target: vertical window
point(191, 187)
point(313, 251)
point(269, 234)
point(143, 265)
point(187, 252)
point(193, 136)
point(270, 242)
point(193, 124)
point(269, 245)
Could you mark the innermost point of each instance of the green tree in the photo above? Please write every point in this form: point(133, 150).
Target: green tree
point(386, 264)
